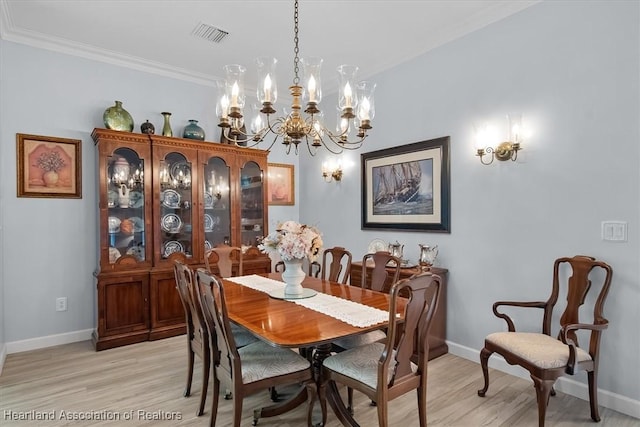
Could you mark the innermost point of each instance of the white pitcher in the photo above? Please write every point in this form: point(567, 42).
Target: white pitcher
point(428, 255)
point(123, 196)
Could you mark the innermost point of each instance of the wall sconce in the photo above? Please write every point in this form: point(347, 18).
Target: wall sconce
point(331, 172)
point(486, 141)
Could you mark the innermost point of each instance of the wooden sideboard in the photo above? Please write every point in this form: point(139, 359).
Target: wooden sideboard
point(438, 333)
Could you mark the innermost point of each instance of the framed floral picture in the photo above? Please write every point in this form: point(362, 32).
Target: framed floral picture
point(281, 189)
point(48, 167)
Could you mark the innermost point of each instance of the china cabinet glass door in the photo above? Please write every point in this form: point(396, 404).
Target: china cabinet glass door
point(176, 213)
point(217, 206)
point(125, 205)
point(252, 204)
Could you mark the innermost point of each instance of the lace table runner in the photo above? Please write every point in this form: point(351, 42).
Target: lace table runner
point(353, 313)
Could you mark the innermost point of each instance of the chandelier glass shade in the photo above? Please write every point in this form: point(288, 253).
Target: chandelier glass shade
point(304, 122)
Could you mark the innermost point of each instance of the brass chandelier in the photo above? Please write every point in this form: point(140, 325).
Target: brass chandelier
point(355, 107)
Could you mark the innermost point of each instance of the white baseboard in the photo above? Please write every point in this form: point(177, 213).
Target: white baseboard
point(566, 385)
point(48, 341)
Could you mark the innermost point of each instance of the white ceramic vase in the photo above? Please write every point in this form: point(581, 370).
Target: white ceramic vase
point(293, 275)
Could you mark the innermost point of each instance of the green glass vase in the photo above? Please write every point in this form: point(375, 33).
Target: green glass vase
point(117, 118)
point(166, 128)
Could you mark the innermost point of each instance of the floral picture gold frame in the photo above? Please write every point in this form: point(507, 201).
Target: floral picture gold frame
point(281, 185)
point(48, 167)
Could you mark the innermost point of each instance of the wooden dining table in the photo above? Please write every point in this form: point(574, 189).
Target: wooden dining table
point(283, 323)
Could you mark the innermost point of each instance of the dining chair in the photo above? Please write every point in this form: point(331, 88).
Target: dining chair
point(336, 265)
point(251, 368)
point(547, 358)
point(221, 256)
point(384, 370)
point(380, 271)
point(197, 333)
point(384, 274)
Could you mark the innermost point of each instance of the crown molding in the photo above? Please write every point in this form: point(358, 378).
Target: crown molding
point(35, 39)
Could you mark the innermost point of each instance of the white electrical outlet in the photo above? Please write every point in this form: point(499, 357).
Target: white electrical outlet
point(61, 304)
point(614, 231)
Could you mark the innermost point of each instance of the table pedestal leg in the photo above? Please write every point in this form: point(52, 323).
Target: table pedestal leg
point(298, 398)
point(328, 391)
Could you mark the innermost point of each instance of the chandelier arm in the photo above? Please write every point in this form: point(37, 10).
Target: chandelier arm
point(344, 143)
point(330, 148)
point(234, 138)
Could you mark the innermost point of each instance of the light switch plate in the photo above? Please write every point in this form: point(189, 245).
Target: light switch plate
point(614, 231)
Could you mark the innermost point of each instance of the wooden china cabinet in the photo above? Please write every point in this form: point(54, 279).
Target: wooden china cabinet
point(164, 199)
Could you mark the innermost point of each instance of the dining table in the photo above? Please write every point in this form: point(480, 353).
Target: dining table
point(290, 323)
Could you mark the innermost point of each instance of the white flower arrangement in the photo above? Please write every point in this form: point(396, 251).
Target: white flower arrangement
point(292, 240)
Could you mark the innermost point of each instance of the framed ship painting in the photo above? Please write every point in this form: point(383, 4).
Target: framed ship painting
point(48, 166)
point(407, 187)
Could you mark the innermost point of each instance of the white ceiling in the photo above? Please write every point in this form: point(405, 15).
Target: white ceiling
point(155, 35)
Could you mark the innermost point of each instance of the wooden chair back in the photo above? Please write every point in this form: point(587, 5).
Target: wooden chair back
point(383, 275)
point(578, 285)
point(227, 360)
point(197, 331)
point(412, 336)
point(222, 257)
point(196, 325)
point(336, 264)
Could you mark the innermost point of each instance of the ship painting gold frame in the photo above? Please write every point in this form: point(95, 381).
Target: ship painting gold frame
point(407, 188)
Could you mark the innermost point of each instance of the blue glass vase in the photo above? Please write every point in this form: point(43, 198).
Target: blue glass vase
point(193, 131)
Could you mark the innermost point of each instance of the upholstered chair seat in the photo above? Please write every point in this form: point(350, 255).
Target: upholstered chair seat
point(361, 364)
point(260, 361)
point(540, 350)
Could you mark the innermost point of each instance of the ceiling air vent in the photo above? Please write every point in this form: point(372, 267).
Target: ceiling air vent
point(209, 33)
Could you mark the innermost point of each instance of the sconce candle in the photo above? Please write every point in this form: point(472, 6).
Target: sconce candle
point(331, 172)
point(486, 141)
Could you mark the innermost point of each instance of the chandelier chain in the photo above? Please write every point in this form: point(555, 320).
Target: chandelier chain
point(296, 49)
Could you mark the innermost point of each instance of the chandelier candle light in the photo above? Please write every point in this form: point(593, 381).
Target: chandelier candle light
point(293, 242)
point(355, 106)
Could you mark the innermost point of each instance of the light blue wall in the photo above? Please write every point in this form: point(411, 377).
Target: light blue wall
point(571, 68)
point(50, 245)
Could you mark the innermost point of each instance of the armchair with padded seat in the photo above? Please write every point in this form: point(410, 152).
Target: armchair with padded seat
point(384, 370)
point(246, 370)
point(547, 358)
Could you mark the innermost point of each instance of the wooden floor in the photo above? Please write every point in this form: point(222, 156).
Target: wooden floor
point(146, 381)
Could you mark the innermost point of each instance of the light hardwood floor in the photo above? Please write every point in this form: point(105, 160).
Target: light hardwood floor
point(150, 377)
